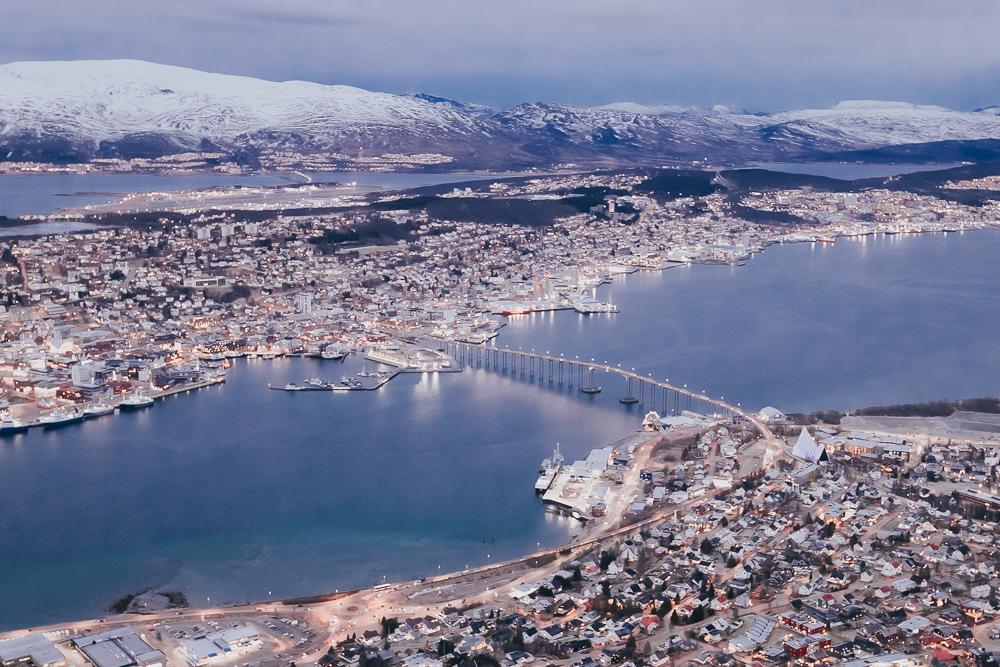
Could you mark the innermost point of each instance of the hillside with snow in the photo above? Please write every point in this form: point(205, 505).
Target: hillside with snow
point(78, 110)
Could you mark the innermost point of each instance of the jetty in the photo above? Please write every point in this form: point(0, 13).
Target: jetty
point(381, 380)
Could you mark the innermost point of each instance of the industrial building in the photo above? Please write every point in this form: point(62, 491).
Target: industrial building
point(223, 645)
point(119, 647)
point(34, 649)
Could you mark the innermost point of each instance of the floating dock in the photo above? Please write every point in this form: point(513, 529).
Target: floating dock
point(337, 386)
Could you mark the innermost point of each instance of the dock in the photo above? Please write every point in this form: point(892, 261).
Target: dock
point(585, 488)
point(337, 386)
point(156, 395)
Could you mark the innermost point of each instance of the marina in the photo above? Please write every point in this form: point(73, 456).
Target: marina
point(367, 382)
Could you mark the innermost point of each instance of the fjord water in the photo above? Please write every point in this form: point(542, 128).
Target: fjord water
point(39, 194)
point(809, 326)
point(234, 491)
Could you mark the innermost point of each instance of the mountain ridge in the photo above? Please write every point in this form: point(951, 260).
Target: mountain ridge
point(78, 110)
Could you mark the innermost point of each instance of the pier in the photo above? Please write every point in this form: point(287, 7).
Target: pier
point(562, 371)
point(331, 385)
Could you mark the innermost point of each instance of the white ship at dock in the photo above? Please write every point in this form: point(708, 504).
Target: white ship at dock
point(548, 471)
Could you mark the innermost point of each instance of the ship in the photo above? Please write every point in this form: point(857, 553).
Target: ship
point(9, 425)
point(58, 418)
point(548, 471)
point(97, 410)
point(136, 402)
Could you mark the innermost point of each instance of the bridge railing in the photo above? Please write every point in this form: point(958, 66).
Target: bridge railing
point(644, 390)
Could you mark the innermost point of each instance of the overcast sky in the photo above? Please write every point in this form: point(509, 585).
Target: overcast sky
point(758, 55)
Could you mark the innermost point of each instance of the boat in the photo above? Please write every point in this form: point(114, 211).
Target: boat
point(97, 410)
point(312, 384)
point(9, 425)
point(136, 402)
point(548, 470)
point(350, 383)
point(61, 417)
point(365, 373)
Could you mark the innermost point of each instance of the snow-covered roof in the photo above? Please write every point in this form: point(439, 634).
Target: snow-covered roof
point(806, 448)
point(771, 414)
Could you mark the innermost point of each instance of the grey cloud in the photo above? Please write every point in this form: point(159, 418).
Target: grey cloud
point(752, 53)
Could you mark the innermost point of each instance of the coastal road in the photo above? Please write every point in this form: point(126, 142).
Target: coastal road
point(354, 612)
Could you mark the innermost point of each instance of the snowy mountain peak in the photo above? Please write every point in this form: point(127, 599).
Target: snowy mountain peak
point(74, 110)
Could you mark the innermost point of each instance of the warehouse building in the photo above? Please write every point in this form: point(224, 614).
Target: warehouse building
point(30, 650)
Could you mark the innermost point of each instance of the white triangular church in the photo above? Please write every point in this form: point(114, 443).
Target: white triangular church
point(807, 449)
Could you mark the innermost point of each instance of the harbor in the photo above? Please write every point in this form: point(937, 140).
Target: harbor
point(75, 414)
point(606, 478)
point(248, 445)
point(370, 381)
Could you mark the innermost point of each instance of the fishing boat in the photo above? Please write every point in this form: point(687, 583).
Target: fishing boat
point(97, 410)
point(9, 425)
point(61, 417)
point(136, 402)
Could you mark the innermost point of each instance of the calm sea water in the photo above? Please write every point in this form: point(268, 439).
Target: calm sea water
point(235, 491)
point(849, 171)
point(38, 194)
point(863, 322)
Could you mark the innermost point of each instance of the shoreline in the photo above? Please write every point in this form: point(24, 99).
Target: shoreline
point(187, 388)
point(592, 534)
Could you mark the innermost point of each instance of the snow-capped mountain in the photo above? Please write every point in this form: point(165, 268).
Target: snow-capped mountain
point(80, 109)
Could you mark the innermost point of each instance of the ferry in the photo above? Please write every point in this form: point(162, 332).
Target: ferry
point(97, 410)
point(548, 470)
point(58, 418)
point(9, 425)
point(136, 402)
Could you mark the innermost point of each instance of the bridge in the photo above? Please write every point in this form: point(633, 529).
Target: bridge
point(639, 389)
